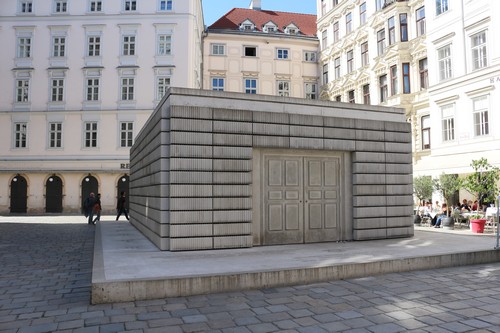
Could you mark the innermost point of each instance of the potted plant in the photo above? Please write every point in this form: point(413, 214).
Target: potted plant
point(422, 188)
point(483, 184)
point(448, 185)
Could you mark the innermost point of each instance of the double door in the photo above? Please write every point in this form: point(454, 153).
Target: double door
point(302, 199)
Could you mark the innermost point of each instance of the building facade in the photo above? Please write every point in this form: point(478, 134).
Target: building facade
point(78, 83)
point(264, 52)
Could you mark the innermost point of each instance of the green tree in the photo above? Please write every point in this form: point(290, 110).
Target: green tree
point(483, 181)
point(422, 188)
point(448, 184)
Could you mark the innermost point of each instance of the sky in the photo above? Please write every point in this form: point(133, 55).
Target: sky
point(214, 9)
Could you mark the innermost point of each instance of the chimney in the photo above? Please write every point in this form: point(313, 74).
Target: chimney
point(255, 4)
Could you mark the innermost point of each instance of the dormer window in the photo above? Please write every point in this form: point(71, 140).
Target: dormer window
point(247, 25)
point(291, 29)
point(270, 27)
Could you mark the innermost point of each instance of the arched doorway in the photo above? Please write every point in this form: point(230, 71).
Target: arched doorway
point(122, 186)
point(89, 184)
point(18, 195)
point(53, 197)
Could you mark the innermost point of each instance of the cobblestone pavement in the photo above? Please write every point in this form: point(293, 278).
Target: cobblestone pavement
point(46, 276)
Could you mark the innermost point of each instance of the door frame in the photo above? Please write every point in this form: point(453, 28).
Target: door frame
point(258, 188)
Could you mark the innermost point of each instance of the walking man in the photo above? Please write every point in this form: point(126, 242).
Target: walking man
point(121, 207)
point(88, 207)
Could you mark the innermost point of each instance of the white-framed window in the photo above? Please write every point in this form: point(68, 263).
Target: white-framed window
point(336, 33)
point(394, 80)
point(250, 51)
point(480, 108)
point(164, 45)
point(441, 6)
point(448, 122)
point(58, 46)
point(283, 88)
point(56, 90)
point(365, 60)
point(379, 4)
point(384, 92)
point(423, 73)
point(324, 39)
point(23, 90)
point(127, 88)
point(366, 94)
point(162, 85)
point(94, 46)
point(128, 45)
point(282, 54)
point(392, 30)
point(403, 27)
point(380, 42)
point(60, 6)
point(217, 83)
point(310, 56)
point(250, 86)
point(420, 12)
point(351, 96)
point(90, 134)
point(24, 47)
point(362, 13)
point(95, 6)
point(311, 90)
point(348, 23)
point(336, 65)
point(325, 73)
point(55, 135)
point(20, 135)
point(350, 61)
point(126, 134)
point(165, 5)
point(92, 88)
point(25, 6)
point(129, 5)
point(426, 132)
point(218, 49)
point(478, 46)
point(444, 60)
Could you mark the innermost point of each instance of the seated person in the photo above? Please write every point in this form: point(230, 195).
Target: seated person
point(475, 206)
point(464, 207)
point(444, 213)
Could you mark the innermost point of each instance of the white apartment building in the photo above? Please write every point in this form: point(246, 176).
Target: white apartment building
point(79, 80)
point(264, 52)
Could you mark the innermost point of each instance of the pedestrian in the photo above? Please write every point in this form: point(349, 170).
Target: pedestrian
point(88, 207)
point(120, 206)
point(97, 208)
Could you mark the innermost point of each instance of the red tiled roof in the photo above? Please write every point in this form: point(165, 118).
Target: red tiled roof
point(232, 20)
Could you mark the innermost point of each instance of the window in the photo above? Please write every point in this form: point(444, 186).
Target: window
point(284, 88)
point(310, 56)
point(130, 5)
point(60, 6)
point(336, 64)
point(20, 135)
point(164, 45)
point(338, 98)
point(311, 91)
point(95, 6)
point(424, 75)
point(282, 54)
point(444, 60)
point(380, 42)
point(57, 90)
point(394, 80)
point(218, 49)
point(126, 134)
point(366, 94)
point(480, 113)
point(90, 135)
point(325, 73)
point(218, 83)
point(128, 45)
point(362, 13)
point(448, 122)
point(324, 39)
point(350, 95)
point(92, 87)
point(127, 89)
point(22, 90)
point(94, 46)
point(403, 27)
point(364, 54)
point(478, 44)
point(269, 28)
point(441, 6)
point(348, 23)
point(406, 78)
point(426, 132)
point(164, 5)
point(392, 30)
point(26, 6)
point(323, 7)
point(250, 86)
point(350, 61)
point(250, 51)
point(420, 21)
point(58, 46)
point(379, 4)
point(55, 135)
point(383, 88)
point(336, 32)
point(24, 47)
point(162, 85)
